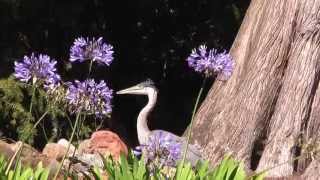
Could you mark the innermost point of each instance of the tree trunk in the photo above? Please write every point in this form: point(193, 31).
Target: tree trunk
point(312, 172)
point(310, 138)
point(300, 82)
point(270, 100)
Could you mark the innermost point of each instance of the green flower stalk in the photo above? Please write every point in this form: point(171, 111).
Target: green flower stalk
point(211, 64)
point(69, 145)
point(39, 71)
point(192, 119)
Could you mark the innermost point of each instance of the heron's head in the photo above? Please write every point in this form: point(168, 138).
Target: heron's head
point(143, 88)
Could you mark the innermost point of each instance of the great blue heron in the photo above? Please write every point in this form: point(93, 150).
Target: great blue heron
point(148, 88)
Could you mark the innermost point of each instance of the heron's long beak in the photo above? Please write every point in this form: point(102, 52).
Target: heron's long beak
point(130, 90)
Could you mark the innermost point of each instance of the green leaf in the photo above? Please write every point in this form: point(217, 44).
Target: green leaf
point(17, 171)
point(184, 172)
point(220, 171)
point(238, 173)
point(141, 172)
point(96, 173)
point(39, 170)
point(109, 166)
point(228, 169)
point(26, 174)
point(202, 170)
point(10, 175)
point(259, 176)
point(45, 174)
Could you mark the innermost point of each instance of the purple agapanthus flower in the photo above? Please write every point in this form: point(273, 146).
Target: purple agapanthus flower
point(37, 69)
point(96, 50)
point(211, 63)
point(89, 97)
point(163, 149)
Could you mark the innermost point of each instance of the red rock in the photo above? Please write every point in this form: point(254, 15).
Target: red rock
point(107, 142)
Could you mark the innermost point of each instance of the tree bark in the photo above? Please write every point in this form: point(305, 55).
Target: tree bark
point(311, 138)
point(268, 102)
point(312, 172)
point(297, 93)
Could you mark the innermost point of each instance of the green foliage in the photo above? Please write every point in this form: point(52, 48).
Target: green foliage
point(134, 169)
point(17, 122)
point(229, 169)
point(21, 173)
point(129, 169)
point(185, 172)
point(14, 117)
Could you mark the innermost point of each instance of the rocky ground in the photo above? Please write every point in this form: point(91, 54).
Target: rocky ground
point(87, 154)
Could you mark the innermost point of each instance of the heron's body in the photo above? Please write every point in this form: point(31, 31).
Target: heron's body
point(193, 154)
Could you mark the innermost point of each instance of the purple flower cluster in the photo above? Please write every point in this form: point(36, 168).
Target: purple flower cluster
point(86, 97)
point(37, 69)
point(211, 63)
point(89, 97)
point(162, 148)
point(95, 50)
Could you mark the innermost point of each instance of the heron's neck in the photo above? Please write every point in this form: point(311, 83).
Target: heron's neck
point(142, 122)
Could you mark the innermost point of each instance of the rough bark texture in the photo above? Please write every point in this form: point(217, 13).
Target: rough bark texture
point(297, 93)
point(311, 140)
point(313, 171)
point(271, 100)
